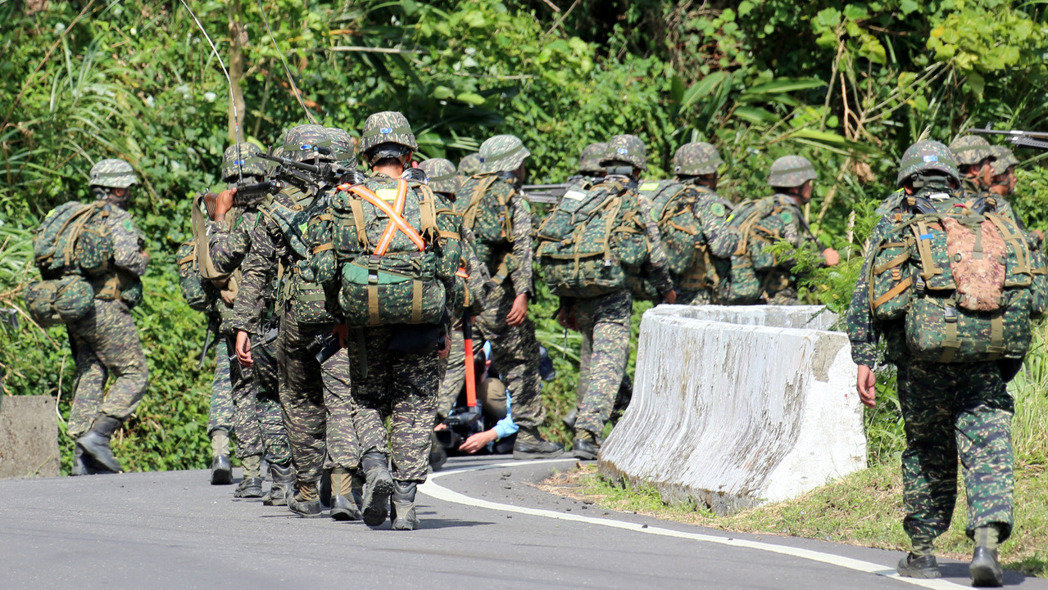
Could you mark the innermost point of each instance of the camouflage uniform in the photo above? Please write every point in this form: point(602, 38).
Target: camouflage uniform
point(220, 413)
point(604, 321)
point(509, 261)
point(950, 410)
point(589, 170)
point(779, 285)
point(105, 343)
point(314, 398)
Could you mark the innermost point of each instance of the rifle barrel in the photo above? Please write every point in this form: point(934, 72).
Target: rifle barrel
point(293, 163)
point(1013, 133)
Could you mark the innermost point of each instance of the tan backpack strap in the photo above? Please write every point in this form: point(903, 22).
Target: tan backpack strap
point(610, 217)
point(78, 221)
point(875, 304)
point(199, 225)
point(469, 216)
point(358, 220)
point(428, 213)
point(924, 249)
point(1017, 241)
point(951, 340)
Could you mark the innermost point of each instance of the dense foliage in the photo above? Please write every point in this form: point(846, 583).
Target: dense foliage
point(849, 85)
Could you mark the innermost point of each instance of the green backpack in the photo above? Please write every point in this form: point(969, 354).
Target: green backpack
point(486, 213)
point(57, 301)
point(591, 242)
point(760, 223)
point(377, 246)
point(963, 281)
point(672, 208)
point(197, 295)
point(74, 238)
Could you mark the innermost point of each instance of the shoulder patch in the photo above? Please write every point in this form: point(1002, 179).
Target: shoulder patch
point(786, 216)
point(128, 225)
point(718, 209)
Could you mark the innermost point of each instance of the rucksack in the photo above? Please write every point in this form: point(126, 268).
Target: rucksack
point(487, 214)
point(963, 280)
point(227, 284)
point(760, 223)
point(74, 238)
point(62, 300)
point(197, 295)
point(592, 241)
point(379, 244)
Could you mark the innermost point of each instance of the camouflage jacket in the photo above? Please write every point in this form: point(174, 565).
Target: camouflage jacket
point(129, 243)
point(713, 212)
point(519, 212)
point(229, 243)
point(268, 251)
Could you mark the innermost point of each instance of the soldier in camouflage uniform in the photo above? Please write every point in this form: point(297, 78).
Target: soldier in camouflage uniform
point(1003, 182)
point(949, 409)
point(105, 343)
point(220, 417)
point(695, 167)
point(314, 396)
point(469, 165)
point(792, 178)
point(503, 245)
point(604, 321)
point(589, 171)
point(396, 369)
point(975, 163)
point(259, 426)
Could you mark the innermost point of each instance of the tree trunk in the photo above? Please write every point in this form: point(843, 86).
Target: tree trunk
point(238, 36)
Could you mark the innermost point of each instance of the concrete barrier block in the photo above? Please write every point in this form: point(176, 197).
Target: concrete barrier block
point(812, 317)
point(733, 415)
point(28, 436)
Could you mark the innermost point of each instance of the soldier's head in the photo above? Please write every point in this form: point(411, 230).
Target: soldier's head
point(343, 147)
point(698, 161)
point(625, 155)
point(793, 175)
point(304, 143)
point(441, 176)
point(927, 163)
point(112, 180)
point(469, 165)
point(974, 158)
point(504, 153)
point(387, 141)
point(242, 161)
point(589, 160)
point(1004, 163)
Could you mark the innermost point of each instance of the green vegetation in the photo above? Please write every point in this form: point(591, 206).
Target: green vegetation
point(849, 88)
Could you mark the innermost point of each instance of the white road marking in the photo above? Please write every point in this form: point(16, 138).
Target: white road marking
point(441, 493)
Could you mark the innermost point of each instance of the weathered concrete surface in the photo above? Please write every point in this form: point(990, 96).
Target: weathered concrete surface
point(734, 415)
point(28, 436)
point(812, 317)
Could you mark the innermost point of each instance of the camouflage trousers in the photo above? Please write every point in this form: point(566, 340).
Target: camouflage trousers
point(516, 355)
point(605, 325)
point(951, 411)
point(258, 423)
point(779, 288)
point(316, 403)
point(401, 386)
point(220, 414)
point(702, 297)
point(454, 374)
point(105, 345)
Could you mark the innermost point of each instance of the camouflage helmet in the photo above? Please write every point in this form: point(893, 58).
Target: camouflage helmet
point(113, 173)
point(469, 165)
point(589, 160)
point(969, 150)
point(442, 176)
point(301, 143)
point(244, 161)
point(926, 155)
point(502, 153)
point(343, 147)
point(790, 171)
point(696, 159)
point(1003, 159)
point(626, 148)
point(387, 127)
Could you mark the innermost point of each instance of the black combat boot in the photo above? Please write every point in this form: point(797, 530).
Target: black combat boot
point(586, 445)
point(283, 477)
point(343, 507)
point(378, 487)
point(357, 485)
point(985, 569)
point(221, 468)
point(79, 465)
point(919, 565)
point(437, 455)
point(95, 443)
point(404, 516)
point(531, 445)
point(306, 501)
point(251, 485)
point(570, 418)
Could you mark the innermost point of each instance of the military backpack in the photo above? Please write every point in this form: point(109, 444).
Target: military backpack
point(378, 247)
point(74, 238)
point(487, 214)
point(592, 241)
point(761, 223)
point(961, 278)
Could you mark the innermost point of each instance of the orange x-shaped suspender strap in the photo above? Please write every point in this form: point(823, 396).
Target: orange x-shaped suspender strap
point(395, 214)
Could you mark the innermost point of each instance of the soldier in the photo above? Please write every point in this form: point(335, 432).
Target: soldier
point(259, 426)
point(389, 223)
point(105, 343)
point(974, 161)
point(604, 321)
point(314, 390)
point(589, 170)
point(499, 216)
point(792, 178)
point(1003, 181)
point(469, 165)
point(695, 167)
point(949, 408)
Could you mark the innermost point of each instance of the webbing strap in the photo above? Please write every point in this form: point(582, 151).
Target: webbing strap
point(891, 294)
point(892, 263)
point(323, 248)
point(997, 335)
point(358, 221)
point(395, 214)
point(199, 227)
point(930, 269)
point(416, 301)
point(469, 216)
point(1016, 240)
point(951, 340)
point(373, 317)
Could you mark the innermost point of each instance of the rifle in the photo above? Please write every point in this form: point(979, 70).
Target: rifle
point(324, 173)
point(1034, 139)
point(247, 196)
point(544, 193)
point(208, 341)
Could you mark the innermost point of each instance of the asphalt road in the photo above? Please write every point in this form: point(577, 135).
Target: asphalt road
point(483, 526)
